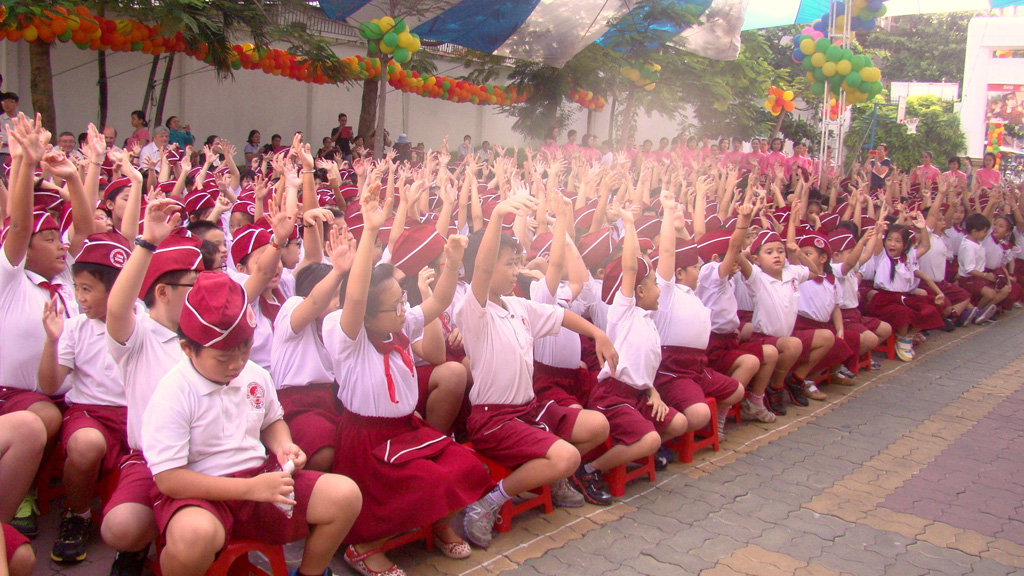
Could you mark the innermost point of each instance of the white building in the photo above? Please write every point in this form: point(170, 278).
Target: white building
point(984, 37)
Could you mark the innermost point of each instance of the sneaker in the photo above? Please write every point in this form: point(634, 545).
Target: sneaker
point(592, 485)
point(26, 519)
point(775, 400)
point(129, 563)
point(948, 325)
point(562, 494)
point(795, 387)
point(904, 349)
point(1018, 305)
point(749, 410)
point(989, 312)
point(663, 457)
point(875, 364)
point(967, 317)
point(811, 391)
point(845, 374)
point(71, 538)
point(479, 522)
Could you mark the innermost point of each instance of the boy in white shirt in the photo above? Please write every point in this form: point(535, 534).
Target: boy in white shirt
point(972, 275)
point(219, 478)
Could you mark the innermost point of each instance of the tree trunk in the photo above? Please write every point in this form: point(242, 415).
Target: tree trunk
point(368, 111)
point(626, 128)
point(41, 84)
point(150, 84)
point(158, 117)
point(382, 99)
point(611, 119)
point(101, 84)
point(778, 125)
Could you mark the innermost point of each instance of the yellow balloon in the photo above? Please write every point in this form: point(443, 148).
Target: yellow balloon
point(818, 59)
point(787, 95)
point(386, 24)
point(829, 69)
point(656, 68)
point(843, 67)
point(840, 22)
point(871, 74)
point(405, 40)
point(649, 87)
point(807, 46)
point(768, 105)
point(810, 77)
point(385, 48)
point(415, 44)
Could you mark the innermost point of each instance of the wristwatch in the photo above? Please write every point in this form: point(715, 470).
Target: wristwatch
point(140, 242)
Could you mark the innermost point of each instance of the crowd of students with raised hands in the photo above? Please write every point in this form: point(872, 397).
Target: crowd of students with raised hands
point(301, 348)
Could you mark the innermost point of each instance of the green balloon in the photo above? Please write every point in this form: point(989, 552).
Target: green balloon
point(373, 30)
point(818, 88)
point(390, 40)
point(881, 11)
point(82, 46)
point(853, 79)
point(400, 26)
point(847, 54)
point(834, 53)
point(807, 64)
point(401, 55)
point(819, 75)
point(236, 64)
point(836, 82)
point(876, 89)
point(364, 30)
point(866, 15)
point(446, 85)
point(822, 45)
point(66, 35)
point(868, 63)
point(858, 62)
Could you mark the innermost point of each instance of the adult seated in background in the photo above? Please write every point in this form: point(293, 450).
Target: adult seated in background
point(150, 154)
point(181, 136)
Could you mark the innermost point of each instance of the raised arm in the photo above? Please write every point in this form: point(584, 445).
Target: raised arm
point(444, 290)
point(51, 374)
point(557, 261)
point(667, 238)
point(630, 251)
point(341, 247)
point(282, 220)
point(487, 253)
point(56, 163)
point(26, 141)
point(358, 287)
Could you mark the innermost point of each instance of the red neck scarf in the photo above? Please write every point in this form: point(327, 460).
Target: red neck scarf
point(269, 308)
point(399, 343)
point(54, 290)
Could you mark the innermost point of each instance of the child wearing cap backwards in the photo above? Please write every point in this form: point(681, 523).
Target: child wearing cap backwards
point(216, 441)
point(507, 423)
point(94, 433)
point(684, 378)
point(862, 333)
point(143, 344)
point(898, 301)
point(639, 420)
point(33, 271)
point(774, 285)
point(972, 275)
point(411, 475)
point(303, 372)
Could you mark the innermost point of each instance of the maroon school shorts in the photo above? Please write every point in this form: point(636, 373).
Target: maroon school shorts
point(312, 413)
point(685, 379)
point(12, 540)
point(261, 521)
point(566, 386)
point(110, 421)
point(18, 399)
point(629, 414)
point(725, 349)
point(513, 434)
point(135, 483)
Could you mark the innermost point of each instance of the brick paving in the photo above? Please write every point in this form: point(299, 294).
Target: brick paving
point(916, 471)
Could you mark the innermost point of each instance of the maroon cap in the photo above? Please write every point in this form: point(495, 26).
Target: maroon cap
point(41, 222)
point(247, 240)
point(584, 217)
point(713, 244)
point(244, 207)
point(647, 227)
point(46, 198)
point(197, 201)
point(764, 237)
point(686, 254)
point(106, 249)
point(417, 246)
point(841, 240)
point(613, 277)
point(541, 246)
point(217, 313)
point(349, 192)
point(177, 252)
point(815, 240)
point(115, 186)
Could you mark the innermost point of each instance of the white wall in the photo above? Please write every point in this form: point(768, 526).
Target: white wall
point(984, 35)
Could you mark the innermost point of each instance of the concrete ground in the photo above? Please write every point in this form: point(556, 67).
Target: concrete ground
point(917, 470)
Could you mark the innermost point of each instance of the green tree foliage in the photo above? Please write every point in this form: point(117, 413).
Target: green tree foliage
point(921, 48)
point(938, 131)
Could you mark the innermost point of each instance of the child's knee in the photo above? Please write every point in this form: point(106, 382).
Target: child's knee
point(883, 331)
point(564, 457)
point(678, 426)
point(591, 426)
point(194, 532)
point(697, 416)
point(771, 355)
point(128, 527)
point(49, 415)
point(824, 339)
point(868, 340)
point(789, 346)
point(651, 441)
point(449, 377)
point(86, 446)
point(31, 431)
point(23, 561)
point(336, 494)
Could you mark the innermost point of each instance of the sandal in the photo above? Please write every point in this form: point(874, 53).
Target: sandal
point(456, 550)
point(357, 562)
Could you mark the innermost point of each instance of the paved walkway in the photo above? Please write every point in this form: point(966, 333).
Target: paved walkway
point(919, 470)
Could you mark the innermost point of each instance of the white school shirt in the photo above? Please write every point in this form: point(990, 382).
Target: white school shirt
point(94, 377)
point(286, 284)
point(904, 280)
point(263, 338)
point(298, 359)
point(995, 255)
point(151, 351)
point(21, 322)
point(971, 257)
point(744, 299)
point(776, 301)
point(359, 369)
point(197, 424)
point(499, 343)
point(954, 238)
point(596, 310)
point(563, 350)
point(635, 337)
point(847, 283)
point(681, 318)
point(933, 262)
point(818, 300)
point(719, 295)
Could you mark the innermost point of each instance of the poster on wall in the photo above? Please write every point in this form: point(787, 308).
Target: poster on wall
point(1005, 104)
point(1004, 116)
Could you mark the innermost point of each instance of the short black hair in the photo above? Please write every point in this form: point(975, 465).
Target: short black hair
point(172, 277)
point(975, 222)
point(209, 252)
point(309, 276)
point(105, 274)
point(202, 227)
point(195, 347)
point(506, 242)
point(9, 96)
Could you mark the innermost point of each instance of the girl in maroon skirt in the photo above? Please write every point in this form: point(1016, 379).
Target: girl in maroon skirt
point(898, 301)
point(410, 474)
point(848, 255)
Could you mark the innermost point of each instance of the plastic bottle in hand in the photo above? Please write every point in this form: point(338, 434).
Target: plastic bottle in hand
point(289, 468)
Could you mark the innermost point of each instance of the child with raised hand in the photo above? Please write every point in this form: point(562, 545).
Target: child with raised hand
point(774, 285)
point(94, 433)
point(221, 454)
point(542, 441)
point(898, 300)
point(862, 333)
point(684, 378)
point(973, 275)
point(411, 475)
point(302, 370)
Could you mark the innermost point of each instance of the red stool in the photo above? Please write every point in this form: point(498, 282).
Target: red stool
point(687, 444)
point(889, 347)
point(734, 413)
point(618, 476)
point(862, 363)
point(425, 533)
point(508, 509)
point(233, 560)
point(49, 479)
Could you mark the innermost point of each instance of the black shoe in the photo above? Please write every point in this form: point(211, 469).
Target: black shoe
point(592, 486)
point(774, 400)
point(71, 538)
point(948, 325)
point(662, 458)
point(129, 563)
point(795, 386)
point(26, 519)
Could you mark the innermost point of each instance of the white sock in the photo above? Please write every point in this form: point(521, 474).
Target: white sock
point(87, 514)
point(498, 495)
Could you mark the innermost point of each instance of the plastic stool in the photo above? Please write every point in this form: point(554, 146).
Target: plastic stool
point(508, 509)
point(687, 444)
point(618, 476)
point(233, 560)
point(49, 479)
point(889, 347)
point(862, 363)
